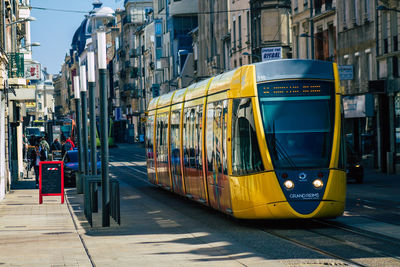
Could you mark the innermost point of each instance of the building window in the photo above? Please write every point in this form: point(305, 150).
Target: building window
point(356, 15)
point(358, 65)
point(234, 35)
point(395, 43)
point(305, 2)
point(395, 67)
point(366, 10)
point(240, 32)
point(296, 6)
point(397, 121)
point(248, 27)
point(161, 5)
point(369, 63)
point(385, 46)
point(344, 14)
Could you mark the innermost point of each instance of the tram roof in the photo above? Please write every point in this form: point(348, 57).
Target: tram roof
point(179, 96)
point(165, 100)
point(294, 69)
point(197, 90)
point(221, 82)
point(153, 103)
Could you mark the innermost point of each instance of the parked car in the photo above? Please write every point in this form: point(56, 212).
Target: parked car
point(354, 167)
point(71, 164)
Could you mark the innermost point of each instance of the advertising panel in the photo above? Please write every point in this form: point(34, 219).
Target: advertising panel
point(32, 71)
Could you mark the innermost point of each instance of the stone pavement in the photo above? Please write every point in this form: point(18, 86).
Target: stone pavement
point(53, 234)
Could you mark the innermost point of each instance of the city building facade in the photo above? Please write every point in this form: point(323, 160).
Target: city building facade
point(387, 86)
point(240, 33)
point(214, 43)
point(356, 54)
point(270, 30)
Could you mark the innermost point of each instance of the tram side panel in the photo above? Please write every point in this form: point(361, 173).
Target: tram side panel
point(192, 153)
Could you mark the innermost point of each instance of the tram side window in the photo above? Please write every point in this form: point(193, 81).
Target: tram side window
point(224, 136)
point(149, 136)
point(175, 145)
point(186, 137)
point(192, 137)
point(165, 138)
point(210, 137)
point(159, 124)
point(216, 137)
point(198, 145)
point(246, 157)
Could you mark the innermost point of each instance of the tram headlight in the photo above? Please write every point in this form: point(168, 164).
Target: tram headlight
point(318, 184)
point(288, 184)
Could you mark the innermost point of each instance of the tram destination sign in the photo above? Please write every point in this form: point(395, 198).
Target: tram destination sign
point(295, 88)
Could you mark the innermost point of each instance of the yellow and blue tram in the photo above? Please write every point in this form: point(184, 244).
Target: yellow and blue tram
point(261, 141)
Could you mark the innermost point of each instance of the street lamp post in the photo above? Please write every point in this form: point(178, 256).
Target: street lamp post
point(102, 63)
point(21, 21)
point(79, 188)
point(92, 119)
point(84, 149)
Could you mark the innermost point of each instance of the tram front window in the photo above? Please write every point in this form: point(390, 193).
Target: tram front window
point(298, 130)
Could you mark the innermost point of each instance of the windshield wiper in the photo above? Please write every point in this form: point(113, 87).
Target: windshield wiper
point(282, 154)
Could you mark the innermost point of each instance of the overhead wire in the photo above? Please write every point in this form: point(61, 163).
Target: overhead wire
point(87, 12)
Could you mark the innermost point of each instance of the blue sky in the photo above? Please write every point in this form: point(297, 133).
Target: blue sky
point(54, 29)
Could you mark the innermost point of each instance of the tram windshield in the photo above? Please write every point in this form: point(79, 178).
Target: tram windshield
point(298, 122)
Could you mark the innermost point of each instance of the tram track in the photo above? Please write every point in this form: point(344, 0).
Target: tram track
point(345, 244)
point(328, 241)
point(314, 248)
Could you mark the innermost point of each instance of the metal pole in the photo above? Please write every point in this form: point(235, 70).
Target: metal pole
point(84, 121)
point(92, 119)
point(79, 187)
point(101, 40)
point(312, 28)
point(104, 147)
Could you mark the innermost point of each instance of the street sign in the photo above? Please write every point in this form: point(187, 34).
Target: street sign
point(57, 156)
point(346, 72)
point(271, 53)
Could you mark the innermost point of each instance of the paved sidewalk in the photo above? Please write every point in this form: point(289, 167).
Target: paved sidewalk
point(38, 235)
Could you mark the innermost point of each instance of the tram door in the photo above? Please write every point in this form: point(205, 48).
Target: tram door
point(175, 156)
point(162, 149)
point(150, 149)
point(216, 157)
point(192, 153)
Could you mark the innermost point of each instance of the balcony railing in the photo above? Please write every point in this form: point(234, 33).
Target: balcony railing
point(16, 65)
